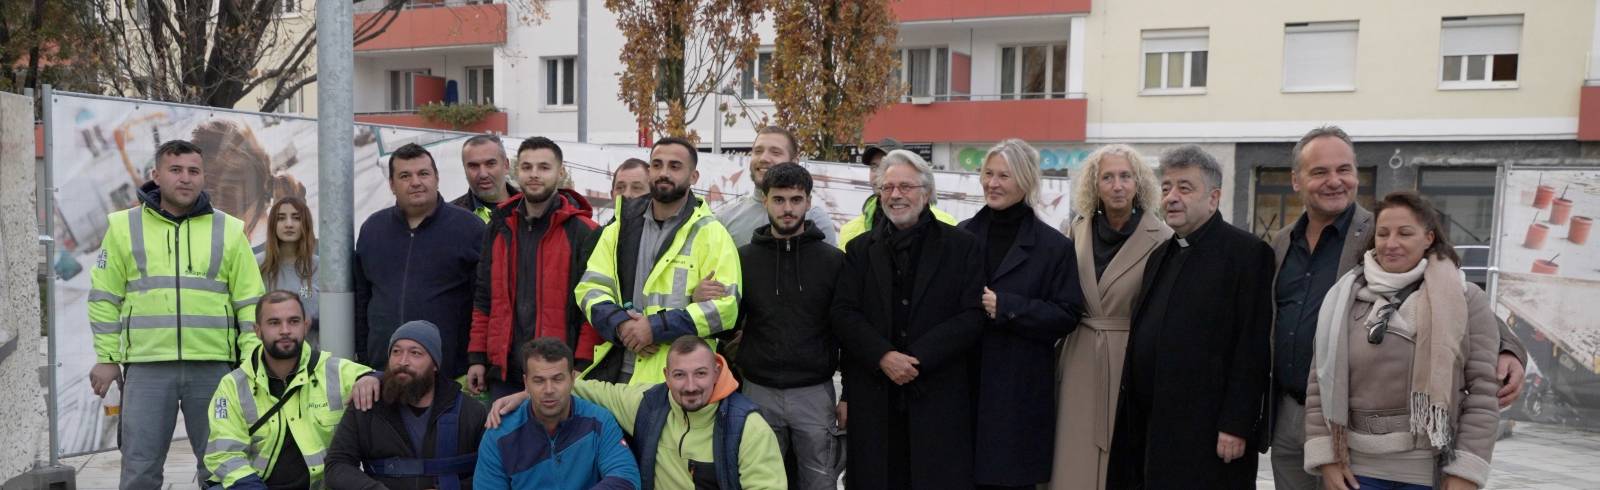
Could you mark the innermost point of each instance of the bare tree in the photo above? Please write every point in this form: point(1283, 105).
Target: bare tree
point(215, 52)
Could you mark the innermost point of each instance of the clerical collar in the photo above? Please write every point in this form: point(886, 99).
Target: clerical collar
point(1199, 233)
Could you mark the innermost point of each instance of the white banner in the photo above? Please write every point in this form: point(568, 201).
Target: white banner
point(103, 149)
point(1549, 276)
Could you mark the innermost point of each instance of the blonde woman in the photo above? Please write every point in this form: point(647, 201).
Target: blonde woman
point(1116, 228)
point(1031, 300)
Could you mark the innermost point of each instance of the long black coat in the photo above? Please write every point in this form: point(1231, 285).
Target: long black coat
point(1213, 371)
point(946, 320)
point(1038, 302)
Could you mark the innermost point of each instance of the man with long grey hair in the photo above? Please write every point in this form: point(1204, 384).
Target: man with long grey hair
point(907, 312)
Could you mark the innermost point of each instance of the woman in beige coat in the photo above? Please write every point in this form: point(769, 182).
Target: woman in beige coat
point(1117, 226)
point(1402, 388)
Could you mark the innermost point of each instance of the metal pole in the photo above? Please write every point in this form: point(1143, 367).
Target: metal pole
point(583, 71)
point(47, 205)
point(335, 171)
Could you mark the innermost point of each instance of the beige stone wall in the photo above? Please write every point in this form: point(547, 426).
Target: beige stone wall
point(24, 420)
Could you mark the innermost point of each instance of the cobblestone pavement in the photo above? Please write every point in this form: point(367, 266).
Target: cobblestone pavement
point(1536, 457)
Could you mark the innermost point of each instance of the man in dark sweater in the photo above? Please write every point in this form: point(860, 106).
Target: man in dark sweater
point(421, 423)
point(416, 261)
point(788, 353)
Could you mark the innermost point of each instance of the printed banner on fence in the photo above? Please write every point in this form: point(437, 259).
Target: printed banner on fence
point(104, 149)
point(1548, 279)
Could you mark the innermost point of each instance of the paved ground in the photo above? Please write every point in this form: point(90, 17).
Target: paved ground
point(1537, 457)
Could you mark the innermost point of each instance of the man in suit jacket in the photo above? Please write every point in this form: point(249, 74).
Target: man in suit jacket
point(1196, 370)
point(1325, 243)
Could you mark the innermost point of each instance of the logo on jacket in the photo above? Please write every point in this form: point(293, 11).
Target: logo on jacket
point(102, 262)
point(222, 408)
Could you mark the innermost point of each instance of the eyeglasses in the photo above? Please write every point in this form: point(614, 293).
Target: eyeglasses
point(1380, 326)
point(903, 188)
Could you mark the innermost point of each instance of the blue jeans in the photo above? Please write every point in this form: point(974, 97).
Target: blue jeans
point(1376, 484)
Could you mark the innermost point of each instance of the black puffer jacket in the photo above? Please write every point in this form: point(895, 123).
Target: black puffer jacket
point(788, 289)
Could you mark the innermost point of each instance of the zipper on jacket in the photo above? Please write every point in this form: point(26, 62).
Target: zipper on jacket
point(177, 287)
point(688, 426)
point(405, 274)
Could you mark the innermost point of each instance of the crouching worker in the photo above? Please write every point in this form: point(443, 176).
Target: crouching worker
point(422, 433)
point(553, 440)
point(694, 431)
point(273, 417)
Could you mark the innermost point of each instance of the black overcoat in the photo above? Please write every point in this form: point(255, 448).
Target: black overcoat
point(1213, 368)
point(946, 320)
point(1038, 302)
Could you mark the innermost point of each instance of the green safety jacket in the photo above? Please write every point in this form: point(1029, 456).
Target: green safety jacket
point(311, 415)
point(699, 248)
point(173, 288)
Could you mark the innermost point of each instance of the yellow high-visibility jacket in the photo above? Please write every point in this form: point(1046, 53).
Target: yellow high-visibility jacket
point(699, 248)
point(311, 414)
point(173, 288)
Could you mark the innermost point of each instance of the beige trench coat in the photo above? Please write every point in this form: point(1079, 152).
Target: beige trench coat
point(1089, 371)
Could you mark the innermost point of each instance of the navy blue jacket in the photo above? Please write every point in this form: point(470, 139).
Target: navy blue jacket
point(1038, 302)
point(427, 274)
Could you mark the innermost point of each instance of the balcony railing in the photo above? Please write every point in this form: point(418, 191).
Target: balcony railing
point(370, 6)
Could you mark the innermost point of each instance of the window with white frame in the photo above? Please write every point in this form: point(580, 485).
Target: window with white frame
point(1033, 71)
point(1175, 60)
point(925, 71)
point(1319, 56)
point(294, 104)
point(402, 88)
point(480, 84)
point(753, 82)
point(560, 80)
point(1479, 51)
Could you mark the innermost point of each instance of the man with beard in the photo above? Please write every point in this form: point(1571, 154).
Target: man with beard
point(1195, 375)
point(416, 260)
point(483, 157)
point(273, 417)
point(773, 145)
point(908, 312)
point(693, 431)
point(422, 434)
point(640, 278)
point(554, 440)
point(788, 353)
point(533, 253)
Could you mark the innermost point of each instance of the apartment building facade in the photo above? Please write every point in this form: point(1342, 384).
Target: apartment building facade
point(1438, 94)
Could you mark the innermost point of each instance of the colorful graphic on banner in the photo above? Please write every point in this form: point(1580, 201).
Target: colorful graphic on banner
point(1056, 161)
point(103, 150)
point(1549, 275)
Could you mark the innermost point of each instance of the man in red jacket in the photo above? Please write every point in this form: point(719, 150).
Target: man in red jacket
point(533, 255)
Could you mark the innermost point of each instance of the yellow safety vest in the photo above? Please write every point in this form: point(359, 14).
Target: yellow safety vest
point(165, 290)
point(700, 247)
point(311, 414)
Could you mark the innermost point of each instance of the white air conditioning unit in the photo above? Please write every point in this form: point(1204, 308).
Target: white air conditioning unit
point(921, 100)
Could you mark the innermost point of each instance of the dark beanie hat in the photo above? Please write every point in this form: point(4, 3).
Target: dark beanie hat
point(422, 332)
